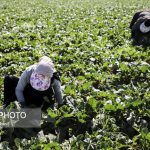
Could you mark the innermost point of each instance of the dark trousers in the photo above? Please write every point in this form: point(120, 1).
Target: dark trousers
point(32, 96)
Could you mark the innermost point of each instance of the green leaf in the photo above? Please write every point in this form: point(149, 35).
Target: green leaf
point(52, 146)
point(144, 68)
point(109, 107)
point(92, 102)
point(148, 136)
point(52, 114)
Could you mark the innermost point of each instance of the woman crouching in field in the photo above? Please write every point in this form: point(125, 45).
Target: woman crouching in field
point(37, 86)
point(140, 28)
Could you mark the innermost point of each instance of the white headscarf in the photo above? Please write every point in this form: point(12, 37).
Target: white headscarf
point(143, 28)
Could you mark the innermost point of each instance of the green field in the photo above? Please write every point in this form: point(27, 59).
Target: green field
point(103, 75)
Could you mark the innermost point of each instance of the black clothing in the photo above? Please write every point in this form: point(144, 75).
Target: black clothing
point(32, 96)
point(140, 38)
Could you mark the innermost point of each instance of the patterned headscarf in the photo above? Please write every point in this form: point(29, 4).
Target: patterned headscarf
point(41, 77)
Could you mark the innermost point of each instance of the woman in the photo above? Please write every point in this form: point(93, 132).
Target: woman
point(37, 86)
point(140, 28)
